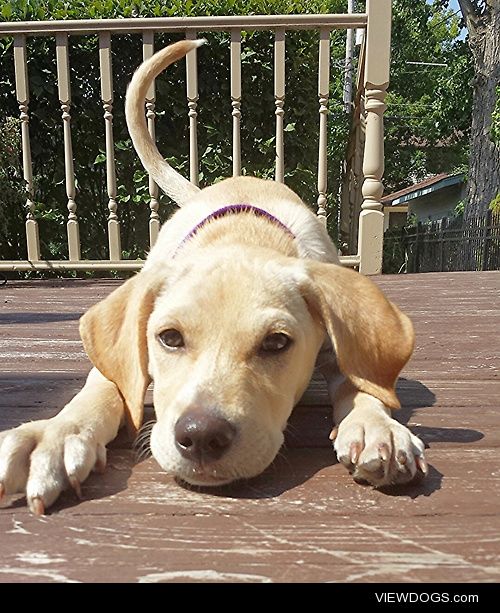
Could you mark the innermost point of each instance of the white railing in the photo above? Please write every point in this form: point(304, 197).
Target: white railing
point(377, 22)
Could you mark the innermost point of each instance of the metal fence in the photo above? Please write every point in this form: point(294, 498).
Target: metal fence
point(447, 245)
point(374, 82)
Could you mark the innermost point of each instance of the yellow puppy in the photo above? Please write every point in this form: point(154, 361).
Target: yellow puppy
point(238, 297)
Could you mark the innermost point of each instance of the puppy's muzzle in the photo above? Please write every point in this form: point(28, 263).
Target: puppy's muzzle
point(203, 437)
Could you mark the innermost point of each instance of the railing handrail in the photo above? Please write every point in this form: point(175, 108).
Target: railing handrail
point(128, 265)
point(182, 24)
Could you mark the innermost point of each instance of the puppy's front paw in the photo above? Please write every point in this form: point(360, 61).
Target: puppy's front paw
point(43, 458)
point(379, 450)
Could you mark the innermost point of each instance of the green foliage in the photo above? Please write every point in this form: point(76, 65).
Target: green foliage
point(495, 204)
point(429, 107)
point(394, 248)
point(458, 211)
point(26, 10)
point(11, 188)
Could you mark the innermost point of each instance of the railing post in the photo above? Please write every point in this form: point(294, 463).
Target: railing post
point(22, 92)
point(236, 99)
point(279, 101)
point(148, 44)
point(63, 84)
point(371, 219)
point(106, 68)
point(323, 95)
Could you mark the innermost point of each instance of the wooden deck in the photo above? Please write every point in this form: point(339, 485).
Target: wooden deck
point(304, 519)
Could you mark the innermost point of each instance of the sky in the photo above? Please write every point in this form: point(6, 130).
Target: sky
point(455, 7)
point(453, 4)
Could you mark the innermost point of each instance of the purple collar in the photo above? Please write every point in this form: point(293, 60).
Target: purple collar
point(232, 210)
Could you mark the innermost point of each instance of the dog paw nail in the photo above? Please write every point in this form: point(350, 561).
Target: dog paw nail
point(422, 464)
point(355, 452)
point(2, 491)
point(384, 452)
point(402, 457)
point(75, 484)
point(36, 506)
point(333, 434)
point(100, 467)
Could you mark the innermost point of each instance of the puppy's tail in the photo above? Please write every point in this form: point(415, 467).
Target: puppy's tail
point(169, 180)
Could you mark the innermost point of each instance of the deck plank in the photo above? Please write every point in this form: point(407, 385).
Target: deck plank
point(303, 519)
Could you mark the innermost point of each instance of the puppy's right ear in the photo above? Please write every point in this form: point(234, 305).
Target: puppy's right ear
point(372, 338)
point(114, 336)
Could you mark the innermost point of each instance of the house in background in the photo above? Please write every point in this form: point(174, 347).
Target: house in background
point(431, 199)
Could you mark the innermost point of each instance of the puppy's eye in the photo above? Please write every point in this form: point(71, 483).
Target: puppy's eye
point(275, 343)
point(171, 338)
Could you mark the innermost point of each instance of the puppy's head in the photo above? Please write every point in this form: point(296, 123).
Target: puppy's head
point(231, 343)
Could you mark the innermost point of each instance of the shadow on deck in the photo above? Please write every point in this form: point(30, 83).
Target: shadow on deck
point(304, 519)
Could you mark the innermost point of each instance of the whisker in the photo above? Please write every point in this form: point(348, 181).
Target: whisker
point(317, 366)
point(283, 456)
point(142, 442)
point(291, 428)
point(139, 441)
point(143, 453)
point(259, 491)
point(144, 438)
point(144, 433)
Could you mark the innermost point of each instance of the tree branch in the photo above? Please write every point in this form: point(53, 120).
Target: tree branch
point(470, 13)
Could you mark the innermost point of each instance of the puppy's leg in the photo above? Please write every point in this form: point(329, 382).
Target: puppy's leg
point(42, 458)
point(371, 444)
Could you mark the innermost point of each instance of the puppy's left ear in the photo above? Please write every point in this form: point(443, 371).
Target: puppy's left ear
point(114, 336)
point(372, 338)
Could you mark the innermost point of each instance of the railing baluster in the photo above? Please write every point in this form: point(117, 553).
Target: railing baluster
point(279, 101)
point(63, 84)
point(22, 93)
point(236, 98)
point(323, 95)
point(148, 48)
point(192, 98)
point(358, 176)
point(107, 102)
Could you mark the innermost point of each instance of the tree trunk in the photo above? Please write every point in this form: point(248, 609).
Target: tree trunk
point(484, 164)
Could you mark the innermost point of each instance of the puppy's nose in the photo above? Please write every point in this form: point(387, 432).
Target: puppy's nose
point(203, 437)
